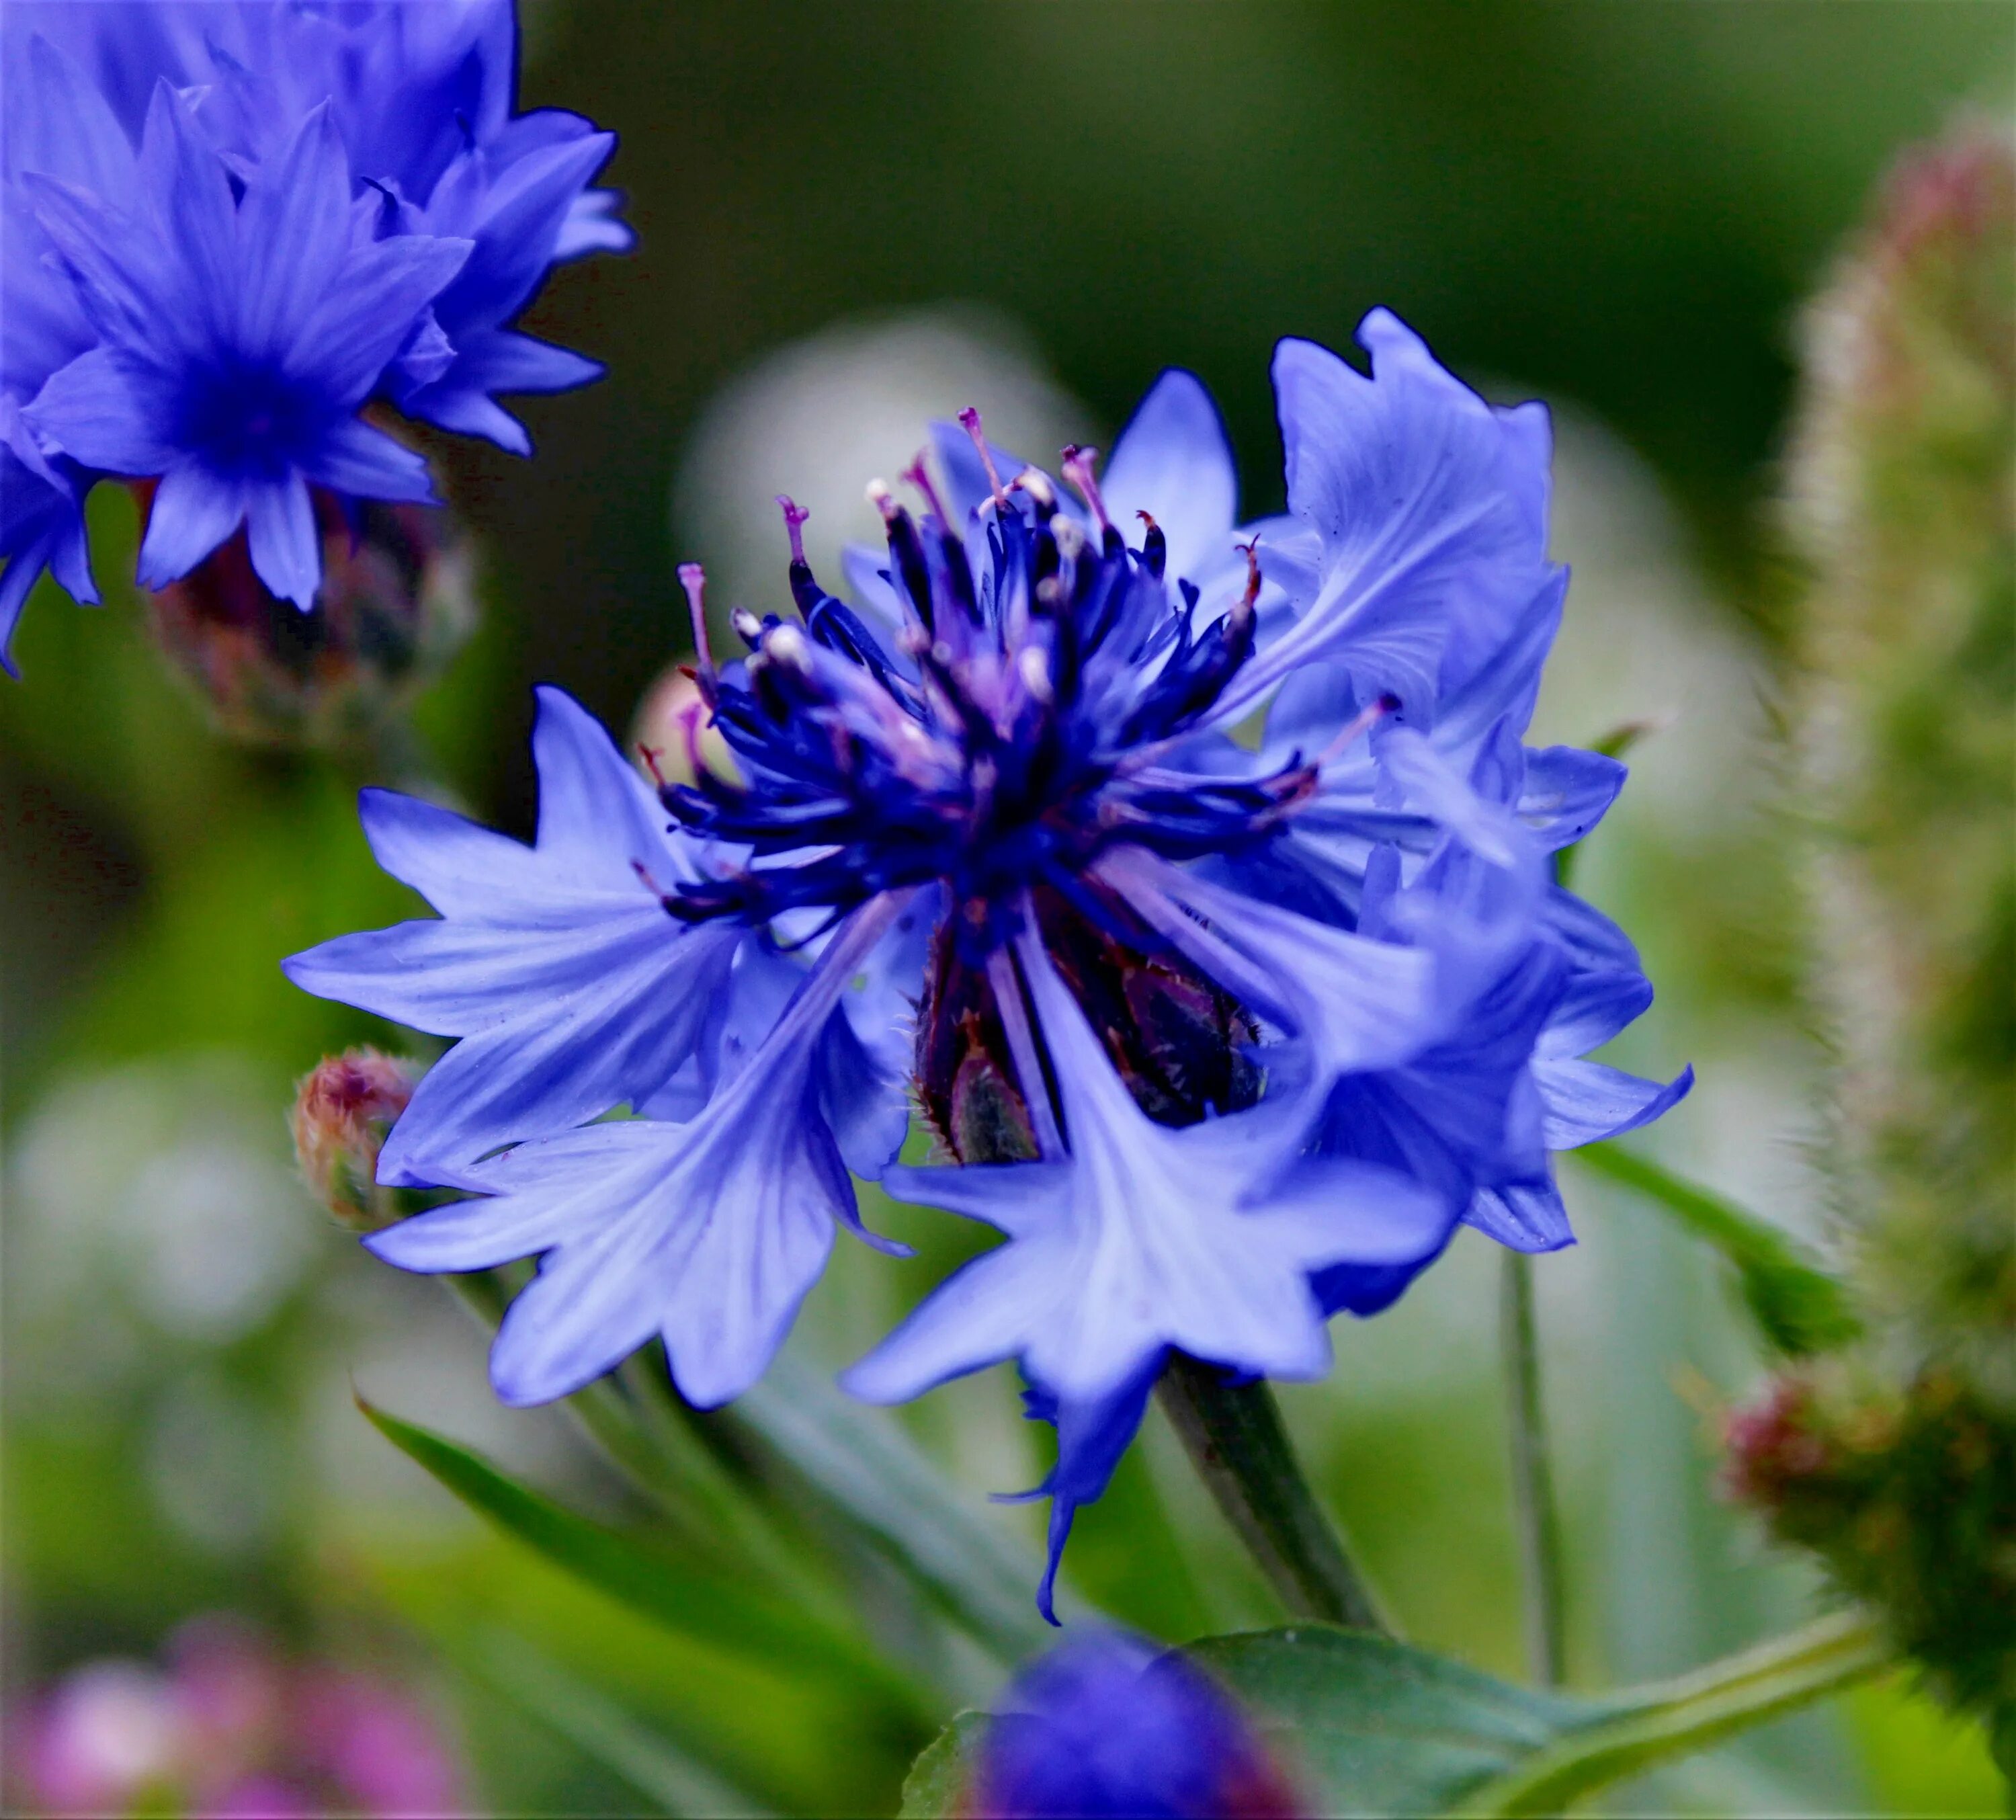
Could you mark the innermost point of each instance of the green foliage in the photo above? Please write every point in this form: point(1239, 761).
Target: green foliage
point(940, 1779)
point(694, 1599)
point(1797, 1307)
point(1368, 1726)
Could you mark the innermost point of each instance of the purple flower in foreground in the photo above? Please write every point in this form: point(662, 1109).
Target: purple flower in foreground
point(1223, 1041)
point(1103, 1726)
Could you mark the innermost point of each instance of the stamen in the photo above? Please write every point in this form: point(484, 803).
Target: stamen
point(795, 516)
point(919, 477)
point(1359, 724)
point(1154, 545)
point(1070, 539)
point(1077, 469)
point(1035, 669)
point(970, 418)
point(748, 628)
point(786, 644)
point(882, 500)
point(1036, 484)
point(650, 755)
point(692, 578)
point(1252, 552)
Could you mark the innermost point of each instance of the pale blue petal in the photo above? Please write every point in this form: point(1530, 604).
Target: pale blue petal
point(286, 547)
point(1586, 1101)
point(193, 512)
point(1173, 461)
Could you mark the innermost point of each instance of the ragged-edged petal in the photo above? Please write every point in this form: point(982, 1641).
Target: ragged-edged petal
point(611, 1022)
point(1526, 1217)
point(592, 226)
point(280, 530)
point(1568, 791)
point(1173, 461)
point(598, 818)
point(185, 182)
point(294, 220)
point(1431, 510)
point(1357, 1003)
point(191, 513)
point(370, 311)
point(557, 964)
point(359, 459)
point(64, 128)
point(1092, 1436)
point(107, 410)
point(1587, 1101)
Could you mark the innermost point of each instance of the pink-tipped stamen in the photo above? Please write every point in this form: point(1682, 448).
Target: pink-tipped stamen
point(919, 476)
point(795, 516)
point(970, 419)
point(692, 578)
point(1354, 728)
point(1077, 469)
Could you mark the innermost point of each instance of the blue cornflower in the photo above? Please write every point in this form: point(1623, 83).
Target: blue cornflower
point(1103, 1726)
point(163, 320)
point(238, 337)
point(1223, 1040)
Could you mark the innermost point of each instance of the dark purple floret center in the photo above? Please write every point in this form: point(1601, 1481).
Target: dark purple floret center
point(248, 419)
point(1015, 726)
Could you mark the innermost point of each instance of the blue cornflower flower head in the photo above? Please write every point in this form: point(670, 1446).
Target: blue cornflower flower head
point(1103, 1726)
point(1221, 1039)
point(330, 209)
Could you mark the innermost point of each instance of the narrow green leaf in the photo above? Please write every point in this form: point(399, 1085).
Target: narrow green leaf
point(600, 1728)
point(643, 1577)
point(1798, 1308)
point(941, 1780)
point(864, 1465)
point(1372, 1726)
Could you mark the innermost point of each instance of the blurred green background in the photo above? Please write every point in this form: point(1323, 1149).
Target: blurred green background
point(851, 219)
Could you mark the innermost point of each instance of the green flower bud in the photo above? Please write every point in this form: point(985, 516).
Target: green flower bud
point(343, 1108)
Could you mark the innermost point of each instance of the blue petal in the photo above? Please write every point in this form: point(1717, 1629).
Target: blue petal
point(280, 530)
point(1173, 461)
point(1526, 1217)
point(191, 513)
point(1567, 792)
point(1429, 504)
point(107, 410)
point(1587, 1101)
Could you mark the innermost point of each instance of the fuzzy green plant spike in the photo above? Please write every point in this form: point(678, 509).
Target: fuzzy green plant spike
point(1895, 1460)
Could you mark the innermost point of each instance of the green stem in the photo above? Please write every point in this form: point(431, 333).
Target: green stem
point(1676, 1718)
point(1235, 1438)
point(1533, 1508)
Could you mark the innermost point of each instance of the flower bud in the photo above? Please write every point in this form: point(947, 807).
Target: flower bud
point(397, 602)
point(343, 1108)
point(1103, 1726)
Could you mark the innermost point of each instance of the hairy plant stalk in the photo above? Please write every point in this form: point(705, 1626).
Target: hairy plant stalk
point(1655, 1725)
point(1235, 1438)
point(1534, 1513)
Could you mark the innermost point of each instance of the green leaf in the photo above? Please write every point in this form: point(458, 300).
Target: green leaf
point(600, 1728)
point(941, 1779)
point(1372, 1726)
point(868, 1469)
point(1797, 1306)
point(645, 1578)
point(1368, 1726)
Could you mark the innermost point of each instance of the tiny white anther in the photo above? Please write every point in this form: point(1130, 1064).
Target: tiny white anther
point(1036, 484)
point(1035, 670)
point(787, 645)
point(1071, 538)
point(882, 500)
point(748, 628)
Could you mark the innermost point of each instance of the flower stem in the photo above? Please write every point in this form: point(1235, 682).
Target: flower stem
point(1533, 1510)
point(1651, 1725)
point(1235, 1438)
